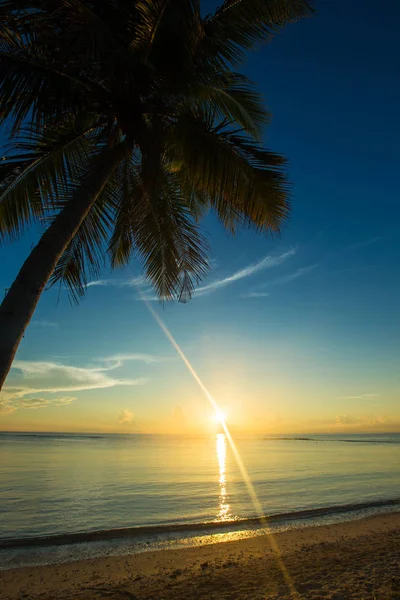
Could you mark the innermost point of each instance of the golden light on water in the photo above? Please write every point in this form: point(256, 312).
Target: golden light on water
point(240, 463)
point(224, 509)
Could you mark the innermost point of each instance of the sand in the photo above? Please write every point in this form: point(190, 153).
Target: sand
point(358, 560)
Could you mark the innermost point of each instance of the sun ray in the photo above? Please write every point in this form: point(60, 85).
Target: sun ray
point(250, 488)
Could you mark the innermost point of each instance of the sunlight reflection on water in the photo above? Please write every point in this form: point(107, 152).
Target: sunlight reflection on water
point(224, 509)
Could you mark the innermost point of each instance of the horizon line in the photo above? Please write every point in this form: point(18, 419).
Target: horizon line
point(199, 434)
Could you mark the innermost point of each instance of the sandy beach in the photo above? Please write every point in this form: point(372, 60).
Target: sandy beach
point(354, 560)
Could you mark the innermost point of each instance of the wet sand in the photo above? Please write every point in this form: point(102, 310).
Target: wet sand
point(357, 560)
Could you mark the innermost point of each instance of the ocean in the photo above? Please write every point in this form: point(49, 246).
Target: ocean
point(66, 496)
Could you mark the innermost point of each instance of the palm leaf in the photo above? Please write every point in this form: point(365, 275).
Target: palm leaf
point(245, 183)
point(172, 249)
point(123, 193)
point(231, 97)
point(159, 74)
point(240, 24)
point(45, 167)
point(32, 83)
point(92, 27)
point(154, 220)
point(174, 24)
point(85, 254)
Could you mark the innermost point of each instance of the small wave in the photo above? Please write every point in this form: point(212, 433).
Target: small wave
point(109, 534)
point(307, 439)
point(301, 439)
point(369, 441)
point(64, 437)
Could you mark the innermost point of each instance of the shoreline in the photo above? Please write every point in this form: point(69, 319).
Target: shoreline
point(207, 526)
point(355, 559)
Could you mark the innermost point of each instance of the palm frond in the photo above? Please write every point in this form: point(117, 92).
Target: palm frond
point(123, 193)
point(85, 74)
point(174, 25)
point(155, 221)
point(172, 249)
point(35, 179)
point(231, 97)
point(94, 28)
point(85, 254)
point(32, 83)
point(245, 184)
point(238, 25)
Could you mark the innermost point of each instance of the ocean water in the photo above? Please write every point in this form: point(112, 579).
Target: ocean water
point(60, 484)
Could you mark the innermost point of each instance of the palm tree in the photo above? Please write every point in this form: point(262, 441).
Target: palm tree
point(127, 120)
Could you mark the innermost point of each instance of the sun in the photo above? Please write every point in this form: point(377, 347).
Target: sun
point(219, 416)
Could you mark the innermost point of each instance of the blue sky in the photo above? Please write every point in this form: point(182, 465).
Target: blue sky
point(299, 333)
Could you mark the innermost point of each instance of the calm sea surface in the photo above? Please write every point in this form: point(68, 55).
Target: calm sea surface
point(62, 483)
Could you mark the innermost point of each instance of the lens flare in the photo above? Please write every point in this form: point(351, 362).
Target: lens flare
point(250, 488)
point(220, 416)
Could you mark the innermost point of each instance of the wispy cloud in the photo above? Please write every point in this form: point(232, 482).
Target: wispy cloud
point(125, 417)
point(99, 283)
point(364, 243)
point(120, 283)
point(359, 397)
point(364, 420)
point(54, 377)
point(139, 283)
point(295, 275)
point(43, 323)
point(266, 263)
point(256, 295)
point(9, 403)
point(30, 378)
point(116, 360)
point(145, 289)
point(279, 281)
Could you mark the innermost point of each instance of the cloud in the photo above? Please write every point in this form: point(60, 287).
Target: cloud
point(125, 416)
point(29, 378)
point(44, 324)
point(9, 403)
point(131, 282)
point(148, 296)
point(118, 360)
point(139, 283)
point(348, 419)
point(99, 283)
point(41, 402)
point(281, 280)
point(365, 421)
point(213, 262)
point(256, 295)
point(266, 263)
point(364, 243)
point(292, 276)
point(55, 377)
point(359, 397)
point(146, 290)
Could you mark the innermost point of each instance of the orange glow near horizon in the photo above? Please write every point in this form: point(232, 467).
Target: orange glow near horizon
point(242, 468)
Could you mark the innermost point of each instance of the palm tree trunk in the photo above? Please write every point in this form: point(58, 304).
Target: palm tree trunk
point(20, 301)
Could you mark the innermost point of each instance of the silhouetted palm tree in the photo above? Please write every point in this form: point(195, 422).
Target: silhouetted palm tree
point(127, 121)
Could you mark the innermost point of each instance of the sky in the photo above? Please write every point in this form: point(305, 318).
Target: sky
point(296, 334)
